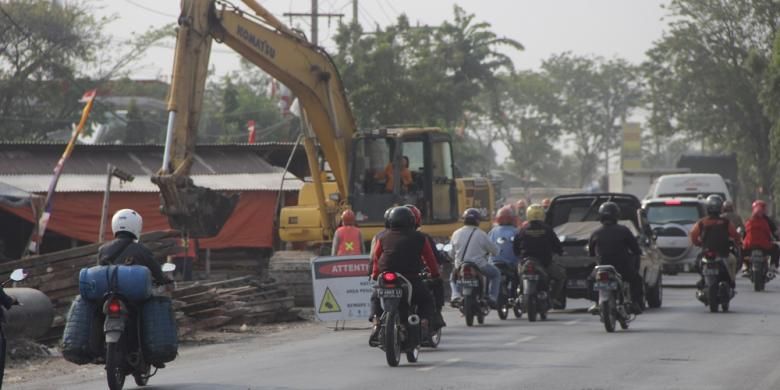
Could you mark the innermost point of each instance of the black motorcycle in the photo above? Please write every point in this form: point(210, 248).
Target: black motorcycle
point(473, 286)
point(508, 292)
point(433, 338)
point(614, 298)
point(717, 289)
point(760, 274)
point(400, 329)
point(534, 297)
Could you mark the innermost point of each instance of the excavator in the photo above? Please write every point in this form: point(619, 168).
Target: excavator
point(349, 169)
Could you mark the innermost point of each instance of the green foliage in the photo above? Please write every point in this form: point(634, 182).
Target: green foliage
point(710, 77)
point(136, 132)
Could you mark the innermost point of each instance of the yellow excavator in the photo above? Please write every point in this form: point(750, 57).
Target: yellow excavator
point(348, 168)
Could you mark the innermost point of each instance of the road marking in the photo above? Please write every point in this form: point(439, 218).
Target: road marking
point(518, 341)
point(446, 362)
point(571, 322)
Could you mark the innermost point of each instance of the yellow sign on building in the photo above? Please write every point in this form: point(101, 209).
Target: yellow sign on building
point(632, 146)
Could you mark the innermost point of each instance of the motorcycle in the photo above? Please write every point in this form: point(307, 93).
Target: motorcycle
point(759, 270)
point(614, 298)
point(717, 287)
point(534, 297)
point(508, 292)
point(400, 329)
point(473, 286)
point(433, 338)
point(124, 352)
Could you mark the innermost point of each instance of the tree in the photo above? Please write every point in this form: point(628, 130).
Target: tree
point(136, 132)
point(49, 56)
point(707, 75)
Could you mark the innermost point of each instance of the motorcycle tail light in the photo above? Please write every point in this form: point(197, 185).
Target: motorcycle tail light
point(467, 272)
point(529, 268)
point(603, 276)
point(709, 254)
point(114, 308)
point(389, 277)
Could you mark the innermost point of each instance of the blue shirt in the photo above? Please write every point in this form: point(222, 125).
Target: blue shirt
point(502, 236)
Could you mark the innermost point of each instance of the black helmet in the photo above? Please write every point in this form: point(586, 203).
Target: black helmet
point(609, 212)
point(714, 205)
point(471, 217)
point(400, 218)
point(387, 217)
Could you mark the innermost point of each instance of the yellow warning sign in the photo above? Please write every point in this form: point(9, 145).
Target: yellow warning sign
point(328, 303)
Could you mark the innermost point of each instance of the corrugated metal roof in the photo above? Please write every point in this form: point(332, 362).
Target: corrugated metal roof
point(96, 183)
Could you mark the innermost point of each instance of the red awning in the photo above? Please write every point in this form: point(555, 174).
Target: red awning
point(77, 215)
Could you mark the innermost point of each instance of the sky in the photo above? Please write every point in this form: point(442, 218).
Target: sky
point(624, 28)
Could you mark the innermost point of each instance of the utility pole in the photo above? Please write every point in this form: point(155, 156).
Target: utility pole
point(315, 16)
point(355, 11)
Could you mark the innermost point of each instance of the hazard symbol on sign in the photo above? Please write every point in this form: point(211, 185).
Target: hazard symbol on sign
point(328, 303)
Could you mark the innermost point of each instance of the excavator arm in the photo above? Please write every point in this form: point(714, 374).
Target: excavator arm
point(282, 53)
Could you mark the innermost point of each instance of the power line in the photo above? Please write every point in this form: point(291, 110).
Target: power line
point(392, 7)
point(154, 11)
point(382, 8)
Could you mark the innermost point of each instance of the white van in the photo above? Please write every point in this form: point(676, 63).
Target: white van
point(689, 185)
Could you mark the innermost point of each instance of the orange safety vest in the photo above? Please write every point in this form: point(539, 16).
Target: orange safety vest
point(349, 241)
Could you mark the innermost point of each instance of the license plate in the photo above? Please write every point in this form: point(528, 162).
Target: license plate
point(389, 292)
point(711, 271)
point(530, 277)
point(605, 286)
point(468, 282)
point(577, 283)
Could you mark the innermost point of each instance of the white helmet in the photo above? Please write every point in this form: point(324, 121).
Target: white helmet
point(127, 220)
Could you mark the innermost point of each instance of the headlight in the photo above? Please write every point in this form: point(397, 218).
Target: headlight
point(561, 238)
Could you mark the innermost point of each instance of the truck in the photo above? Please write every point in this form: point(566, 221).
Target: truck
point(637, 181)
point(724, 164)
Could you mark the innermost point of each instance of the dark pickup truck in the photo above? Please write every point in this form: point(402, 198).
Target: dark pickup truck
point(575, 217)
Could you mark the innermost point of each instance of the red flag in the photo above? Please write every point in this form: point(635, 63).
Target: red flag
point(89, 95)
point(251, 127)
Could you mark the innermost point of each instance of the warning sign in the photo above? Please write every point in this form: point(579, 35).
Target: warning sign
point(342, 290)
point(329, 304)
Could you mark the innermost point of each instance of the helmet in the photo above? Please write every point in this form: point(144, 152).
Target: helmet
point(609, 212)
point(417, 214)
point(546, 203)
point(127, 220)
point(534, 212)
point(387, 217)
point(728, 206)
point(348, 218)
point(759, 207)
point(505, 216)
point(714, 205)
point(400, 218)
point(471, 217)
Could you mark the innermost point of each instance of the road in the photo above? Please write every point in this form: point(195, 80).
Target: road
point(680, 346)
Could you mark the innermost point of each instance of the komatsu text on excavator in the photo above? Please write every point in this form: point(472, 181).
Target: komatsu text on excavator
point(366, 171)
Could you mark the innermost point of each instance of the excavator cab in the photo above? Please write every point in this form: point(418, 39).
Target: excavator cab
point(403, 166)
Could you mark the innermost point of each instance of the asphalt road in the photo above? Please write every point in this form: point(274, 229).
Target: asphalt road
point(680, 346)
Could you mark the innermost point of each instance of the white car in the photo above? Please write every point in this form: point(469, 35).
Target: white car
point(671, 219)
point(689, 185)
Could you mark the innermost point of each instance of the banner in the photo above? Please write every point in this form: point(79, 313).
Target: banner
point(632, 146)
point(342, 289)
point(37, 235)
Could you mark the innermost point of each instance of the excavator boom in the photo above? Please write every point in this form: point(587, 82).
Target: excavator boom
point(282, 53)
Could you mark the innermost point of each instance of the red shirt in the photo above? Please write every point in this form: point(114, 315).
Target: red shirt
point(428, 258)
point(758, 234)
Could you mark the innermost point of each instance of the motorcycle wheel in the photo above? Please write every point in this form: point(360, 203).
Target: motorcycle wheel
point(622, 321)
point(503, 307)
point(481, 314)
point(518, 309)
point(469, 309)
point(435, 339)
point(530, 307)
point(712, 299)
point(142, 378)
point(391, 341)
point(608, 314)
point(543, 315)
point(758, 276)
point(413, 354)
point(114, 375)
point(655, 295)
point(725, 306)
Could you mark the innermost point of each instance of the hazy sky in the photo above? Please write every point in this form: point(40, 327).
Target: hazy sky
point(624, 28)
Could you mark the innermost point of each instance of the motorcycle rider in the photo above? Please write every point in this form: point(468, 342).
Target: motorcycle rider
point(471, 244)
point(615, 245)
point(519, 208)
point(503, 234)
point(404, 250)
point(347, 240)
point(731, 215)
point(125, 248)
point(713, 232)
point(760, 232)
point(537, 240)
point(437, 287)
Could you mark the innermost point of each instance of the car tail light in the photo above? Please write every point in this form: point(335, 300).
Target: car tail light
point(603, 276)
point(389, 277)
point(673, 202)
point(114, 307)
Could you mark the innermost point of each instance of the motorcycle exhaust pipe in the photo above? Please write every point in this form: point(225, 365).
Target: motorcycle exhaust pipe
point(414, 320)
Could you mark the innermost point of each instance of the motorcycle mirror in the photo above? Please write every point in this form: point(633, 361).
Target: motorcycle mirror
point(18, 275)
point(440, 247)
point(448, 247)
point(168, 267)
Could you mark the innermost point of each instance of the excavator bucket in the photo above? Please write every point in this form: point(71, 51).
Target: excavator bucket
point(197, 211)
